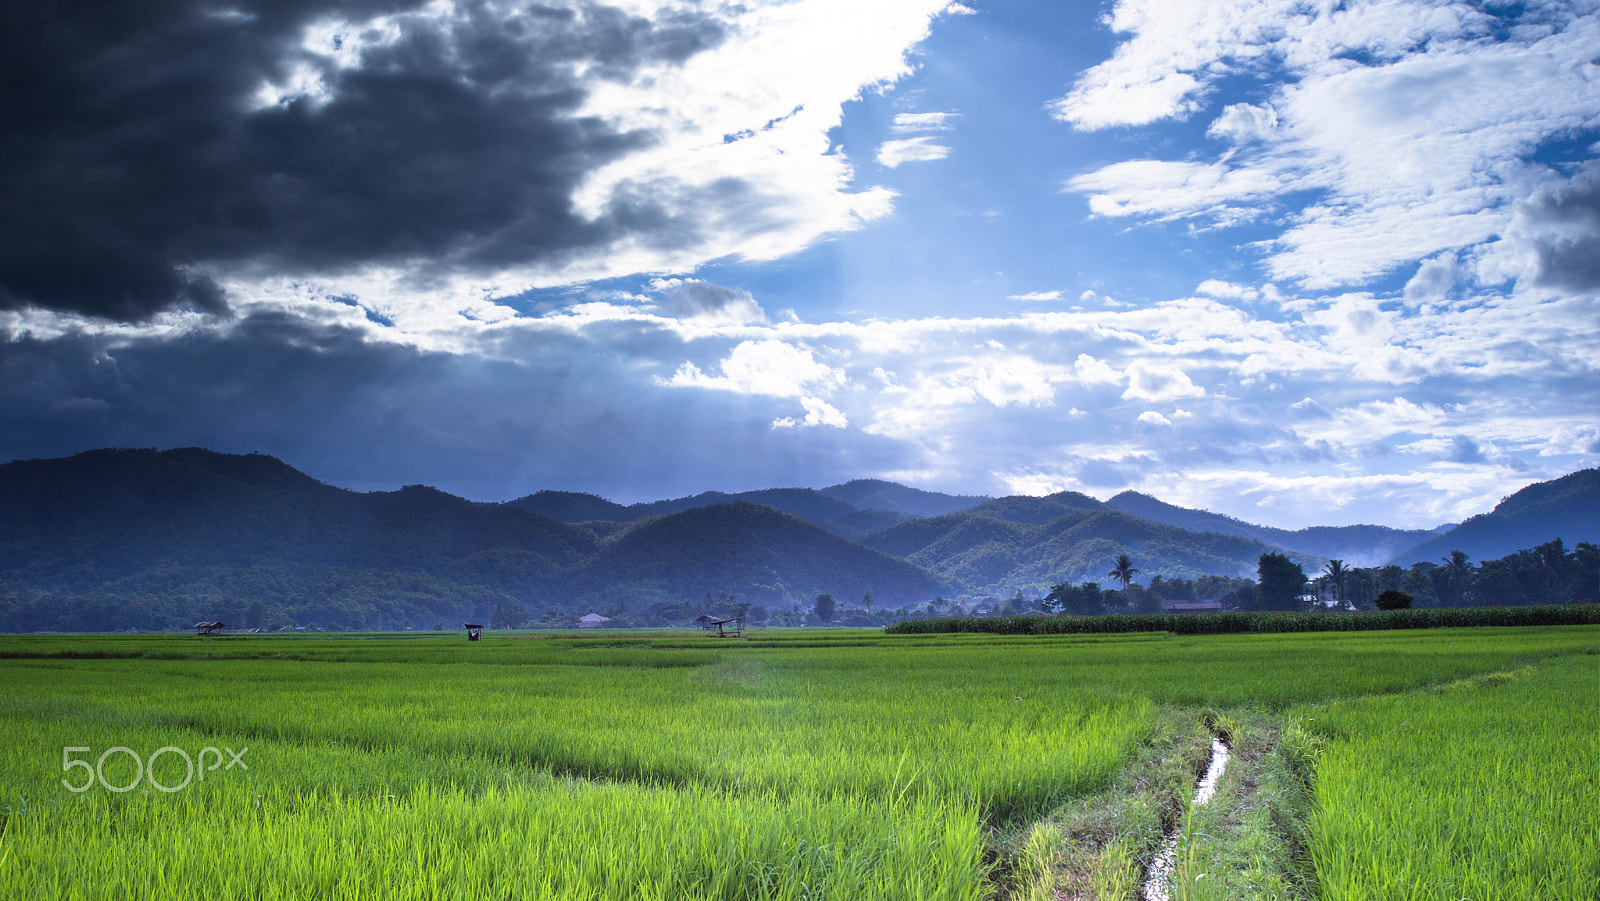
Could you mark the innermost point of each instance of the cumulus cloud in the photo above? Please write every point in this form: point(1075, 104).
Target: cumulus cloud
point(1554, 236)
point(1035, 296)
point(818, 412)
point(1011, 379)
point(1242, 123)
point(1157, 382)
point(1094, 372)
point(775, 368)
point(1433, 280)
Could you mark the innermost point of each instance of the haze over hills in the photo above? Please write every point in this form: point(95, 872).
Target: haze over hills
point(1568, 508)
point(1362, 545)
point(115, 538)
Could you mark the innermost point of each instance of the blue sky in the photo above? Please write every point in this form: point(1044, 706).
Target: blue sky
point(1319, 263)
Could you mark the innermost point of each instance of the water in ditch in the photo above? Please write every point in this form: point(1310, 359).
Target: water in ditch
point(1158, 881)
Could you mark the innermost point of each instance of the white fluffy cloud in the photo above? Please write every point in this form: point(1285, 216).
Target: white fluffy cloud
point(1418, 149)
point(921, 149)
point(1094, 372)
point(1375, 421)
point(1155, 382)
point(818, 412)
point(775, 368)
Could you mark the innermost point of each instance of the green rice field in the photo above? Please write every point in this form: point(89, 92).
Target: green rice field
point(815, 764)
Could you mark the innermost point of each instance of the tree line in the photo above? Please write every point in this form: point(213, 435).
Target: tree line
point(369, 600)
point(1547, 574)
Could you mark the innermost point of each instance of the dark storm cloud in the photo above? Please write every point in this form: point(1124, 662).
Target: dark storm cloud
point(135, 159)
point(373, 415)
point(694, 299)
point(1568, 222)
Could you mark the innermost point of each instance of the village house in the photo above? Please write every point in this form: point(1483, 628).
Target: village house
point(1192, 606)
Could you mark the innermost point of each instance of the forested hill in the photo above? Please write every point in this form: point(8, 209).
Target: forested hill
point(1567, 508)
point(851, 510)
point(1013, 542)
point(146, 539)
point(1364, 545)
point(110, 515)
point(756, 552)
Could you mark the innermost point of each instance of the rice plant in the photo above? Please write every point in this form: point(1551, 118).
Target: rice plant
point(1485, 789)
point(836, 764)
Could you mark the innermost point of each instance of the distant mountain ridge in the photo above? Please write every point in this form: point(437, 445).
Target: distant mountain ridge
point(146, 526)
point(851, 510)
point(176, 533)
point(1363, 545)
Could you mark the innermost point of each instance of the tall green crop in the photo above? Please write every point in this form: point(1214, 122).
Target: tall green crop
point(839, 764)
point(1481, 790)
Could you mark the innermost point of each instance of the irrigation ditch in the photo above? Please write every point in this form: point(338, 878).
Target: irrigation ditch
point(1159, 874)
point(1172, 828)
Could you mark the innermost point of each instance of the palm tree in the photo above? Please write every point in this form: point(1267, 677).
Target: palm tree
point(1458, 575)
point(1335, 572)
point(1552, 554)
point(1123, 572)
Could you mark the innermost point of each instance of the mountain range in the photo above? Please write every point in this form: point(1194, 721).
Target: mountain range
point(174, 533)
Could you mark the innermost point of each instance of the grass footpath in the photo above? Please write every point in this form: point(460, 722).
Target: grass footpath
point(1481, 788)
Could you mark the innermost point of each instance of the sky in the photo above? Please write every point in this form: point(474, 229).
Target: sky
point(1301, 262)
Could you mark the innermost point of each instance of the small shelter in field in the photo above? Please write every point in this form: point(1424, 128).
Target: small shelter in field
point(474, 631)
point(208, 628)
point(592, 621)
point(1192, 606)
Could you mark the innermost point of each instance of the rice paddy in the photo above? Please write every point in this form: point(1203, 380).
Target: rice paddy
point(794, 764)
